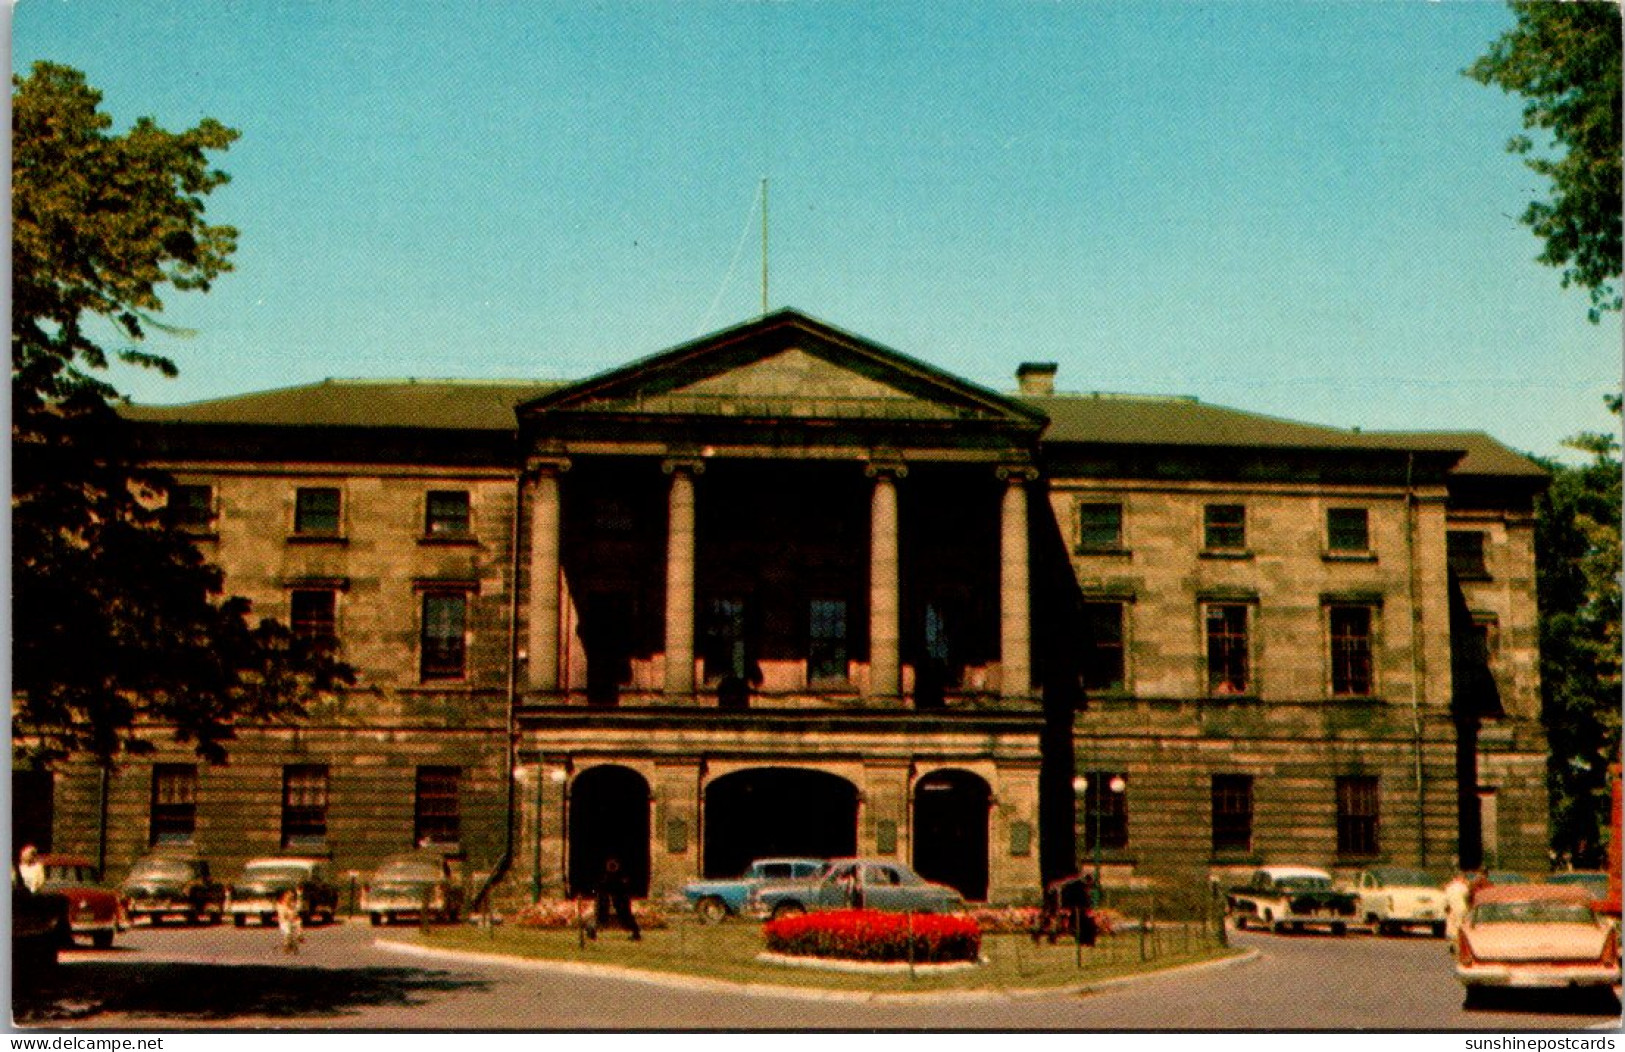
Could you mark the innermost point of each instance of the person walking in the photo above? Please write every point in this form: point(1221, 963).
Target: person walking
point(288, 920)
point(614, 897)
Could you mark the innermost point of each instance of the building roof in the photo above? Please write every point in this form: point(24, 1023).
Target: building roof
point(455, 405)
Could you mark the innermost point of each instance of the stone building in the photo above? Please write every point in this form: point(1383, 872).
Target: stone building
point(782, 590)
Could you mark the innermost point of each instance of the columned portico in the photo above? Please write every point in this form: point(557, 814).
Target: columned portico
point(1015, 612)
point(543, 645)
point(680, 576)
point(885, 585)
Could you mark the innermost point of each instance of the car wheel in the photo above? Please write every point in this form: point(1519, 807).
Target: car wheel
point(239, 921)
point(711, 910)
point(788, 909)
point(377, 919)
point(1340, 929)
point(1438, 930)
point(1474, 997)
point(102, 940)
point(267, 919)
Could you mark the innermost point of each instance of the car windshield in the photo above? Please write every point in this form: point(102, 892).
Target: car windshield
point(274, 872)
point(68, 874)
point(408, 871)
point(1533, 913)
point(1402, 878)
point(162, 869)
point(1305, 883)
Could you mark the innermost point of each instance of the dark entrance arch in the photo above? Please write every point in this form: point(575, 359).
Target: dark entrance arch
point(772, 811)
point(950, 831)
point(609, 818)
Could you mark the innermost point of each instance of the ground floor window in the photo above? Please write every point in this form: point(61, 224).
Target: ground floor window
point(1104, 813)
point(174, 803)
point(1357, 813)
point(1232, 813)
point(304, 805)
point(436, 815)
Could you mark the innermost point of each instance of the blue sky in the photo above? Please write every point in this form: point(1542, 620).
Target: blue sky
point(1291, 207)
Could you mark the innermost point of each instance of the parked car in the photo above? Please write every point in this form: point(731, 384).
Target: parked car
point(410, 885)
point(253, 895)
point(166, 884)
point(1535, 935)
point(1595, 882)
point(712, 900)
point(882, 883)
point(93, 911)
point(1393, 898)
point(39, 928)
point(1283, 898)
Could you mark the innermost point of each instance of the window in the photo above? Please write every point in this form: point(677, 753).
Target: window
point(435, 817)
point(192, 507)
point(304, 805)
point(1232, 813)
point(826, 644)
point(1348, 530)
point(1103, 658)
point(447, 513)
point(1465, 554)
point(1351, 650)
point(316, 511)
point(1486, 637)
point(1227, 651)
point(1224, 526)
point(444, 645)
point(725, 638)
point(174, 803)
point(1357, 815)
point(1105, 811)
point(1100, 527)
point(312, 614)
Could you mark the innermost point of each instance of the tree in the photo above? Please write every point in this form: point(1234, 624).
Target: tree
point(1577, 540)
point(118, 622)
point(1564, 58)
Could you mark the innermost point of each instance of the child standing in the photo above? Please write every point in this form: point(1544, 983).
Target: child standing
point(287, 918)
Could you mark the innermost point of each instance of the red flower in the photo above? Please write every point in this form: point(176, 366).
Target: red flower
point(870, 935)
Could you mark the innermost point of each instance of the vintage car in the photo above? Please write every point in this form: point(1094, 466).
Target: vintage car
point(876, 884)
point(412, 886)
point(1393, 898)
point(39, 928)
point(1291, 898)
point(170, 884)
point(1595, 883)
point(93, 911)
point(254, 894)
point(1535, 935)
point(712, 900)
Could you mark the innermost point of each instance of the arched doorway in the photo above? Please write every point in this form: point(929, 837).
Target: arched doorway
point(609, 818)
point(950, 831)
point(772, 811)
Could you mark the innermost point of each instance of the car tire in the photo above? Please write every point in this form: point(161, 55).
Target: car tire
point(1474, 997)
point(239, 921)
point(711, 910)
point(267, 919)
point(102, 940)
point(1438, 929)
point(788, 909)
point(1340, 929)
point(376, 919)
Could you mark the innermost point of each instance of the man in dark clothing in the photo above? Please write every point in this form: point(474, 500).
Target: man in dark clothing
point(613, 895)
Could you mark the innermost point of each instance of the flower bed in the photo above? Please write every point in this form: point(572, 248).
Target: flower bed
point(870, 935)
point(568, 913)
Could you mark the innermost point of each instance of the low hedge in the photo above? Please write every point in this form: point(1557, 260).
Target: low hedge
point(571, 913)
point(870, 935)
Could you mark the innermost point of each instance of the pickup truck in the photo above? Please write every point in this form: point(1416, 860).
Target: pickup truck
point(1291, 898)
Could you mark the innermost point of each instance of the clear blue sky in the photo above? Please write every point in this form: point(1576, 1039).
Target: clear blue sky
point(1296, 208)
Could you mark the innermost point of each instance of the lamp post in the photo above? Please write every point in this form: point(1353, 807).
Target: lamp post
point(1080, 785)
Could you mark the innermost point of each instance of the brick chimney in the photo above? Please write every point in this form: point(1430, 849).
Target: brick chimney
point(1036, 378)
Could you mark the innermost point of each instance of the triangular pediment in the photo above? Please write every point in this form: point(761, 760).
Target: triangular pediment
point(785, 365)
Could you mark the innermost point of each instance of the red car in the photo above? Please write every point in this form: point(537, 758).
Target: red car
point(93, 910)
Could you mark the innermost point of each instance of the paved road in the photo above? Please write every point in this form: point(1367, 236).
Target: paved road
point(213, 978)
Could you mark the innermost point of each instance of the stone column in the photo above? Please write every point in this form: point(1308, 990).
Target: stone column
point(1015, 594)
point(680, 576)
point(543, 649)
point(885, 584)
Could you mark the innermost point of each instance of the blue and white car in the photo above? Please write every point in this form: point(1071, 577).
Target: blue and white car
point(713, 900)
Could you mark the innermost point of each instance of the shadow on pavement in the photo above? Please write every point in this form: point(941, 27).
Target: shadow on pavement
point(205, 993)
point(1545, 1002)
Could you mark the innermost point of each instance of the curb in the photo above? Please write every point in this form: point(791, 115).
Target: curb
point(687, 982)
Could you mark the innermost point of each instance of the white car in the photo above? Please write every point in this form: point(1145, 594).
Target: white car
point(1393, 898)
point(1535, 935)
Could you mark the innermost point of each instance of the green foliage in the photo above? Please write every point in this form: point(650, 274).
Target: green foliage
point(1564, 58)
point(1577, 539)
point(118, 619)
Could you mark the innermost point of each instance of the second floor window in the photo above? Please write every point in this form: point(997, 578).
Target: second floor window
point(1100, 527)
point(1348, 530)
point(1224, 527)
point(304, 805)
point(1104, 667)
point(1228, 659)
point(192, 507)
point(1465, 554)
point(312, 614)
point(1351, 650)
point(316, 511)
point(447, 513)
point(174, 803)
point(444, 644)
point(826, 644)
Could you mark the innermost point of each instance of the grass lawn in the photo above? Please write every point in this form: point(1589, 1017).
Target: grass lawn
point(728, 952)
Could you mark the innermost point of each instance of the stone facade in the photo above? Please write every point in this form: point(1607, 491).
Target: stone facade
point(783, 591)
